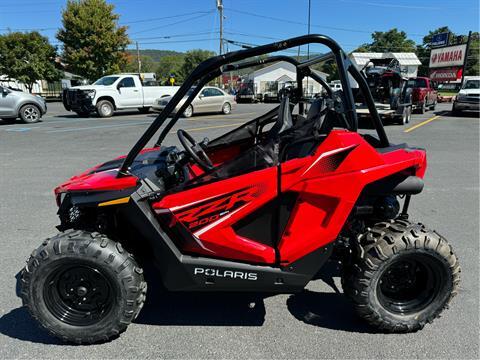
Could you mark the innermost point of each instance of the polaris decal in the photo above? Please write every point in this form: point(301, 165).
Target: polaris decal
point(206, 212)
point(226, 273)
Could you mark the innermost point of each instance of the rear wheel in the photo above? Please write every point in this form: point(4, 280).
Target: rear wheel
point(83, 287)
point(30, 114)
point(105, 108)
point(402, 276)
point(423, 107)
point(226, 108)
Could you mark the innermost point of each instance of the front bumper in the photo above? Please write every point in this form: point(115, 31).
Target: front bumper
point(77, 100)
point(463, 105)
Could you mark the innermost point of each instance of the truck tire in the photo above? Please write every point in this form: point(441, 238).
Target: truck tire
point(83, 287)
point(30, 113)
point(402, 276)
point(105, 108)
point(423, 107)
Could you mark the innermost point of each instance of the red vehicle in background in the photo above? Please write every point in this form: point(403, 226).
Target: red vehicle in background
point(424, 94)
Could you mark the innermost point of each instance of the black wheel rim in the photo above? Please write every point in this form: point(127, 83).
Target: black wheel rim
point(411, 283)
point(78, 295)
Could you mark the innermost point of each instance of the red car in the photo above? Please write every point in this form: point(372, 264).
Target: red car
point(259, 209)
point(424, 93)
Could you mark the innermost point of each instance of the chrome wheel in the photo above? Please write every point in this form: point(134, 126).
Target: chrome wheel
point(226, 108)
point(30, 114)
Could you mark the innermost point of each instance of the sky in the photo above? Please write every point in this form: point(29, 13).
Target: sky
point(190, 24)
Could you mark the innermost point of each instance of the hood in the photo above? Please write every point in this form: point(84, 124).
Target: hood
point(104, 177)
point(89, 87)
point(469, 91)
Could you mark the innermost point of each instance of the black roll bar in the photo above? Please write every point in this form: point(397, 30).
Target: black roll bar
point(213, 66)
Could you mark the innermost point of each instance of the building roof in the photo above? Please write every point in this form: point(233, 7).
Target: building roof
point(407, 58)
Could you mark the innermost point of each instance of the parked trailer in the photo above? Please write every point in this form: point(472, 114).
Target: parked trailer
point(401, 114)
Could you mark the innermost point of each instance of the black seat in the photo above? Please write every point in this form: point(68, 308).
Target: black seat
point(284, 119)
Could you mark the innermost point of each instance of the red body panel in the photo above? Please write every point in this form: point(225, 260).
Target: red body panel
point(97, 181)
point(328, 184)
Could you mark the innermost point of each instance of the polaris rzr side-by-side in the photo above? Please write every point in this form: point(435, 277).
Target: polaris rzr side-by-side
point(260, 209)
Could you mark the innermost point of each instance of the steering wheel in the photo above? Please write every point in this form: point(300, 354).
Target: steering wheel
point(195, 150)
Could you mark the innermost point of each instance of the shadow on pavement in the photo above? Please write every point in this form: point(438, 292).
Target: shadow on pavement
point(201, 309)
point(327, 310)
point(18, 324)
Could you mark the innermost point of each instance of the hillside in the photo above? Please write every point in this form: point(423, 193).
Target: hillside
point(156, 55)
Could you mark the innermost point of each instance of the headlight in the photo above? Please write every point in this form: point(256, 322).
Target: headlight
point(461, 97)
point(60, 198)
point(91, 93)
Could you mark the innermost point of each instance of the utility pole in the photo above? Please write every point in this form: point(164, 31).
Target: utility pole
point(138, 59)
point(220, 13)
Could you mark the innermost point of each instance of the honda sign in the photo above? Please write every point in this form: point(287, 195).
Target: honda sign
point(448, 56)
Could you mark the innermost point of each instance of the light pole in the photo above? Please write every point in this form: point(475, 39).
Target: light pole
point(220, 12)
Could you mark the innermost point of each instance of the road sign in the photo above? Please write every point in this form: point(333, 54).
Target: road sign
point(440, 39)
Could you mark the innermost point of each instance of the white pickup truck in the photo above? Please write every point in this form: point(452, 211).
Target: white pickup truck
point(115, 92)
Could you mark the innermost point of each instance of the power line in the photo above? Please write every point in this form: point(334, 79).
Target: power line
point(174, 23)
point(305, 24)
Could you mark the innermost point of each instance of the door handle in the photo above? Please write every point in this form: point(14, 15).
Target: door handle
point(135, 90)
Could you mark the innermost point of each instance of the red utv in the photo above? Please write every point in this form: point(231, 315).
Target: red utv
point(260, 209)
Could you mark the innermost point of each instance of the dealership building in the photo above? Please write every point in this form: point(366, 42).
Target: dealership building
point(273, 77)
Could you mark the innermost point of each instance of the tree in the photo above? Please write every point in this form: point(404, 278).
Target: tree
point(473, 64)
point(131, 65)
point(423, 51)
point(192, 59)
point(170, 64)
point(388, 41)
point(93, 42)
point(27, 57)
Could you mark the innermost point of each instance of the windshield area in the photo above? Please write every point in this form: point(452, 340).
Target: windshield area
point(106, 80)
point(416, 83)
point(472, 84)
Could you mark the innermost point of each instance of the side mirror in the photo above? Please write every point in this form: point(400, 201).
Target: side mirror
point(5, 92)
point(119, 86)
point(201, 96)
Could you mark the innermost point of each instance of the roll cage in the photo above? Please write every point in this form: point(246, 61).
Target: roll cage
point(217, 65)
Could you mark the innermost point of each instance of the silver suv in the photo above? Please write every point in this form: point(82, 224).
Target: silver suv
point(14, 104)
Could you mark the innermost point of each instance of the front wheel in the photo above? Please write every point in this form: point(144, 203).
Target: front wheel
point(188, 111)
point(226, 108)
point(83, 287)
point(402, 276)
point(30, 114)
point(105, 108)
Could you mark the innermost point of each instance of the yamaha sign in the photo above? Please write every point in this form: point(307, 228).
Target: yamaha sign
point(448, 56)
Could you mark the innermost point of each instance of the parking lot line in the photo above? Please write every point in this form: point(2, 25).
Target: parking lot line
point(99, 127)
point(422, 123)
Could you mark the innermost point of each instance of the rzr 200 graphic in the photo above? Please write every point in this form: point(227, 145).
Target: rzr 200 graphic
point(200, 214)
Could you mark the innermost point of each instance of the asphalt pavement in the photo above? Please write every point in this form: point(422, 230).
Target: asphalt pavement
point(318, 323)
